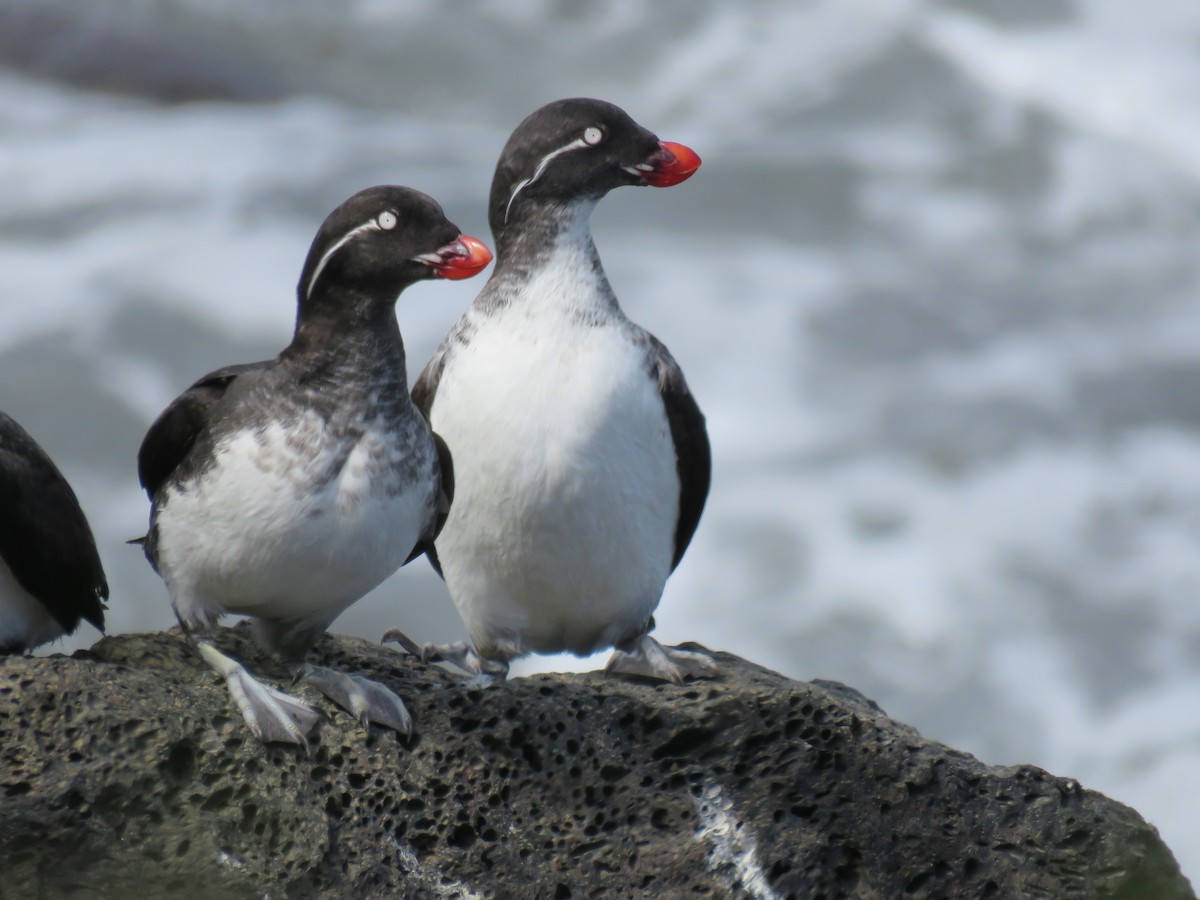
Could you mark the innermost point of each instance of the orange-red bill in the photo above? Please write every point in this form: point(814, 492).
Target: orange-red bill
point(461, 259)
point(672, 164)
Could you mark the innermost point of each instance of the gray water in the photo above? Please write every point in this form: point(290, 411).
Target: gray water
point(934, 286)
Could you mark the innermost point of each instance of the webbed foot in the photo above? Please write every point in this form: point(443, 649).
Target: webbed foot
point(270, 714)
point(460, 654)
point(366, 700)
point(645, 657)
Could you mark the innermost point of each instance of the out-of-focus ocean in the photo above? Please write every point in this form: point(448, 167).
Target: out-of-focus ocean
point(937, 288)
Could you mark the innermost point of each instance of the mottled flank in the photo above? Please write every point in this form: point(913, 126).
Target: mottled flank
point(314, 451)
point(126, 773)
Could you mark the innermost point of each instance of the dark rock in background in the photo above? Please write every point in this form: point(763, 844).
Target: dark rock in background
point(126, 771)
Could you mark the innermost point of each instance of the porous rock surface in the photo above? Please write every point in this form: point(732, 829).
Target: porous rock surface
point(125, 771)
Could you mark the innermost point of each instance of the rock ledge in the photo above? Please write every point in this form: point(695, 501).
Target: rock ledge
point(127, 772)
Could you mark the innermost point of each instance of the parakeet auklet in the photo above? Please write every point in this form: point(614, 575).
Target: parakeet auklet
point(286, 489)
point(50, 572)
point(581, 459)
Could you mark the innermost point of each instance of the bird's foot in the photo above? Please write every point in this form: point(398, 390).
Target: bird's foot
point(461, 655)
point(270, 714)
point(645, 657)
point(366, 700)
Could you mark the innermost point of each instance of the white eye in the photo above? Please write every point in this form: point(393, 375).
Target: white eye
point(592, 136)
point(387, 220)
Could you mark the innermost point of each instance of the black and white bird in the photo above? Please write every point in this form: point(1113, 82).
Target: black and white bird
point(285, 490)
point(582, 461)
point(50, 572)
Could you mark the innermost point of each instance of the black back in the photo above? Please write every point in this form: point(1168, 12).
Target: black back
point(44, 536)
point(174, 433)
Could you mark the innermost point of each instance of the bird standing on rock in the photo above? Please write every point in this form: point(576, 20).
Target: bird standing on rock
point(582, 461)
point(50, 572)
point(287, 489)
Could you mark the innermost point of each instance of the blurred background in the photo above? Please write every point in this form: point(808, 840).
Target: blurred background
point(935, 288)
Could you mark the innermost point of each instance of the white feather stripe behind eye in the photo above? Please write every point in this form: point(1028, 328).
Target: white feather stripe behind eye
point(576, 144)
point(346, 238)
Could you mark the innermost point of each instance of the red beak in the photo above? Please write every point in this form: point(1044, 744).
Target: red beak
point(460, 259)
point(668, 166)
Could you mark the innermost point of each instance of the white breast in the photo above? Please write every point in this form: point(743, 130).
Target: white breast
point(267, 533)
point(566, 493)
point(23, 620)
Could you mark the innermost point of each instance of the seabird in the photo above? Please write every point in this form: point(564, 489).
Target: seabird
point(284, 490)
point(50, 572)
point(582, 461)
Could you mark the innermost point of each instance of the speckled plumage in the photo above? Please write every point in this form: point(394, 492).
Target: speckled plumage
point(287, 489)
point(305, 494)
point(567, 484)
point(582, 461)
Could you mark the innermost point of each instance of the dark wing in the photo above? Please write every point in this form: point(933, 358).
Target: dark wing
point(44, 536)
point(693, 456)
point(426, 386)
point(445, 498)
point(174, 432)
point(422, 394)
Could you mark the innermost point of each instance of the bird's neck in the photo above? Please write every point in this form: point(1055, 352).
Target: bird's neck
point(349, 338)
point(550, 260)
